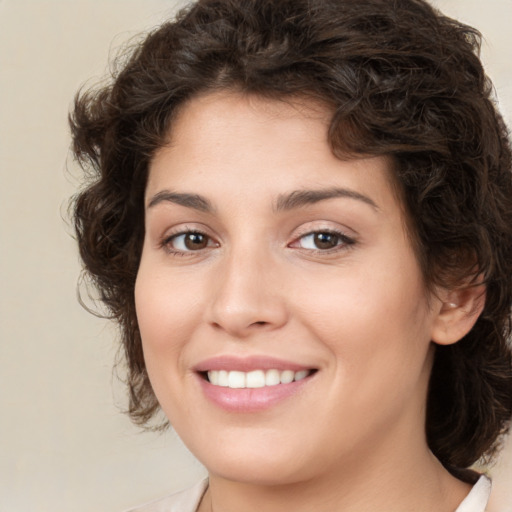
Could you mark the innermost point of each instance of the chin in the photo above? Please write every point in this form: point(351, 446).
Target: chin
point(260, 463)
point(262, 473)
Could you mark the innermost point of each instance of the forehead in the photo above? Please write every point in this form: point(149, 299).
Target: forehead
point(261, 144)
point(248, 117)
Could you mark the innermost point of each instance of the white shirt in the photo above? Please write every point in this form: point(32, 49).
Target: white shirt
point(188, 500)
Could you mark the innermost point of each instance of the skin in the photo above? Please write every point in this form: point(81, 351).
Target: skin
point(358, 313)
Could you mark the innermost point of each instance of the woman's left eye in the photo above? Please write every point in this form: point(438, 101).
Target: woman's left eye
point(322, 240)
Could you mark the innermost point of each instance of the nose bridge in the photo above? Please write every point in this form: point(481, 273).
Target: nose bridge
point(247, 296)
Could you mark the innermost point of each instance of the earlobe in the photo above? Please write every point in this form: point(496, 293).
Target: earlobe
point(458, 312)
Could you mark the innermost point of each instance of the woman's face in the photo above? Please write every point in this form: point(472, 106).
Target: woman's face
point(285, 277)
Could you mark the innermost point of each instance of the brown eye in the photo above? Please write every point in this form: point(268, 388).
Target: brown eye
point(195, 241)
point(189, 241)
point(323, 241)
point(326, 240)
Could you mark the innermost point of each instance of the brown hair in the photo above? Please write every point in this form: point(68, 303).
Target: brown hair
point(402, 80)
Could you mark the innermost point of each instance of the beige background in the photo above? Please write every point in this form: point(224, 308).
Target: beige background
point(64, 446)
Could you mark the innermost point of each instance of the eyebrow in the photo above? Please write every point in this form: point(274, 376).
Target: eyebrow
point(284, 202)
point(194, 201)
point(299, 198)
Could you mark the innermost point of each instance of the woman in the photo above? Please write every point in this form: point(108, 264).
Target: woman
point(301, 217)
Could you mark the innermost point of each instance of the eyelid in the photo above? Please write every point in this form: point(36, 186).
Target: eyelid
point(305, 230)
point(346, 240)
point(166, 239)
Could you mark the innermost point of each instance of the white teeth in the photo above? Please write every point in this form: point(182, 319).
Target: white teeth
point(223, 378)
point(255, 378)
point(236, 380)
point(272, 378)
point(213, 377)
point(287, 376)
point(301, 375)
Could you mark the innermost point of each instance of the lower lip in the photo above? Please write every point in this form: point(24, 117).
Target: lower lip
point(251, 399)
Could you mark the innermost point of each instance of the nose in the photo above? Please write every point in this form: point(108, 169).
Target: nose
point(247, 296)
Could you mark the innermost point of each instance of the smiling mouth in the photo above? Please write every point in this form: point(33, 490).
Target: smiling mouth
point(255, 378)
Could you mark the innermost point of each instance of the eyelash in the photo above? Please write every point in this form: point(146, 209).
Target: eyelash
point(167, 242)
point(344, 241)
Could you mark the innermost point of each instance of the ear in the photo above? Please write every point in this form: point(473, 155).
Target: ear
point(458, 311)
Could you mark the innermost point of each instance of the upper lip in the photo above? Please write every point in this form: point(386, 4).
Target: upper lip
point(247, 364)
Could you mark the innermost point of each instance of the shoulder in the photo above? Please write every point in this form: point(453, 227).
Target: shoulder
point(183, 501)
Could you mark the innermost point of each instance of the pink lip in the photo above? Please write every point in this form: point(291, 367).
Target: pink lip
point(249, 399)
point(247, 364)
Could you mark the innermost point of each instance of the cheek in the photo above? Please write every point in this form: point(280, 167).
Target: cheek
point(164, 314)
point(165, 319)
point(373, 322)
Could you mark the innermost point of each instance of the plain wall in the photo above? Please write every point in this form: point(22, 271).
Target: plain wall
point(64, 445)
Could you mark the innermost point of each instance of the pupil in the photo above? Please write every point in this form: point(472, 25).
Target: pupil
point(325, 240)
point(195, 241)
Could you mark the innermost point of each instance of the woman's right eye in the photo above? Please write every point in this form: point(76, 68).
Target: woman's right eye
point(188, 242)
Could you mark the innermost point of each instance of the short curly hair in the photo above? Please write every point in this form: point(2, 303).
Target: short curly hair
point(401, 80)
